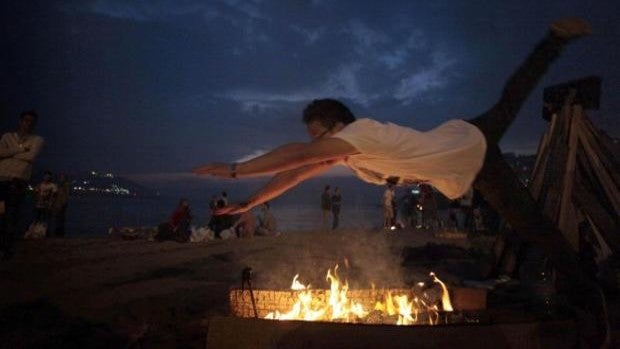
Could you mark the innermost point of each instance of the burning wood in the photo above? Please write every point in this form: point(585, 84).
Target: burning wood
point(422, 304)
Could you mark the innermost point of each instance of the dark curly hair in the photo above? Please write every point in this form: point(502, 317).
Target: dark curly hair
point(32, 113)
point(328, 112)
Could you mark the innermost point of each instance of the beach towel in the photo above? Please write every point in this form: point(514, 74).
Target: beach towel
point(201, 234)
point(227, 234)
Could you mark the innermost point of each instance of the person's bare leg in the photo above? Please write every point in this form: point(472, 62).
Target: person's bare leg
point(497, 183)
point(495, 122)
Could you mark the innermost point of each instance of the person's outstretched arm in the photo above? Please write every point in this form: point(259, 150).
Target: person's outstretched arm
point(279, 184)
point(284, 158)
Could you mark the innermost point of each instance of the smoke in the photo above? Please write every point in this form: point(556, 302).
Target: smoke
point(363, 258)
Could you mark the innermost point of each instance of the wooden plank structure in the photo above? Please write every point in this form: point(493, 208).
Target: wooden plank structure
point(576, 180)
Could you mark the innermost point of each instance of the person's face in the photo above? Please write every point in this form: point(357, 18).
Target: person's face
point(47, 178)
point(27, 123)
point(316, 130)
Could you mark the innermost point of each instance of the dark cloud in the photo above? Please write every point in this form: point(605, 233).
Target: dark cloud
point(161, 86)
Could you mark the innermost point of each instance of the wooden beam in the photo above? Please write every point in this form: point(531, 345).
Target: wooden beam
point(588, 94)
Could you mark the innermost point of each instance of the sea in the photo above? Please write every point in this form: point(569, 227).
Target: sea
point(88, 216)
point(297, 210)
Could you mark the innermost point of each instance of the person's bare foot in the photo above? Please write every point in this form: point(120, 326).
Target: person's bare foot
point(570, 28)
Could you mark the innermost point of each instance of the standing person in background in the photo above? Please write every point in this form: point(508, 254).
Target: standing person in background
point(18, 151)
point(45, 195)
point(388, 206)
point(326, 206)
point(336, 201)
point(394, 206)
point(454, 210)
point(59, 208)
point(467, 212)
point(429, 207)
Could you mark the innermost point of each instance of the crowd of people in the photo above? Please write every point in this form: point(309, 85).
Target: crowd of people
point(417, 207)
point(422, 207)
point(179, 226)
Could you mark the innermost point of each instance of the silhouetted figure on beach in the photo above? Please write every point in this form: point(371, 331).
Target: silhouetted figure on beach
point(177, 227)
point(428, 201)
point(388, 206)
point(18, 151)
point(45, 194)
point(326, 206)
point(336, 202)
point(218, 223)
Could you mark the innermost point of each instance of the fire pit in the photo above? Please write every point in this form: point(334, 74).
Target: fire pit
point(337, 317)
point(427, 303)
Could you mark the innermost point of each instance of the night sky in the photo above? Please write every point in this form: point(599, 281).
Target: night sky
point(151, 89)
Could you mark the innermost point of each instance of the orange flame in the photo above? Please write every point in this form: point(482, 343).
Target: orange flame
point(445, 296)
point(340, 307)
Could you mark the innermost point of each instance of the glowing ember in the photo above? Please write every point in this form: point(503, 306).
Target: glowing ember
point(338, 304)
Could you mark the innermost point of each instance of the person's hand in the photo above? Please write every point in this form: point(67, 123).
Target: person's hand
point(232, 209)
point(215, 169)
point(23, 148)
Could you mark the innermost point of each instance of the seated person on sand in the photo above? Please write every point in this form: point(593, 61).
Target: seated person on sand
point(452, 157)
point(177, 227)
point(45, 194)
point(218, 223)
point(245, 226)
point(267, 225)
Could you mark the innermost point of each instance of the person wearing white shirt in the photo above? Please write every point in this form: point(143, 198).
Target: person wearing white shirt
point(18, 151)
point(451, 157)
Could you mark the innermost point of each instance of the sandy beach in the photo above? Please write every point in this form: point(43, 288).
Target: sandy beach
point(109, 292)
